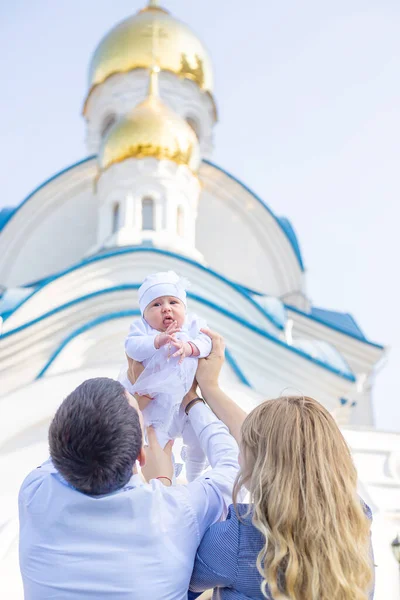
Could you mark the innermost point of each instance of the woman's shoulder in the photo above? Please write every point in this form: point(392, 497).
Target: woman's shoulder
point(228, 529)
point(242, 519)
point(366, 509)
point(240, 512)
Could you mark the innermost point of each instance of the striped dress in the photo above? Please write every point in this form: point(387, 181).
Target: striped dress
point(226, 559)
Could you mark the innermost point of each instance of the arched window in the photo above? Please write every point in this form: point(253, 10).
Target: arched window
point(148, 213)
point(194, 125)
point(115, 217)
point(107, 124)
point(180, 223)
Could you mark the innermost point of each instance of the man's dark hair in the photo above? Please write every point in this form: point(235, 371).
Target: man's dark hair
point(95, 437)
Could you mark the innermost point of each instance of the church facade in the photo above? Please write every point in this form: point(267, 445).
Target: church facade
point(149, 198)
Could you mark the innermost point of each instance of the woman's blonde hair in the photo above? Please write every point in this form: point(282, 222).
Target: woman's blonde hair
point(302, 483)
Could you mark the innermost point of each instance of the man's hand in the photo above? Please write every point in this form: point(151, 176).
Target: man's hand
point(210, 367)
point(134, 370)
point(167, 337)
point(158, 460)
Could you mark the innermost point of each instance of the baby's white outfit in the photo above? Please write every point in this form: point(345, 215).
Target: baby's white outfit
point(167, 382)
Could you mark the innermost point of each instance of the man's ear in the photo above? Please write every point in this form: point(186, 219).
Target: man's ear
point(142, 457)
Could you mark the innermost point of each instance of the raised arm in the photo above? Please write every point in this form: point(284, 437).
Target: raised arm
point(211, 494)
point(207, 376)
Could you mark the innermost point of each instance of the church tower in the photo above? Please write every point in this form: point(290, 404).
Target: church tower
point(149, 148)
point(147, 187)
point(119, 67)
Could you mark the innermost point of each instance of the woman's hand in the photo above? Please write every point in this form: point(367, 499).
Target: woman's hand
point(207, 376)
point(158, 462)
point(134, 370)
point(210, 367)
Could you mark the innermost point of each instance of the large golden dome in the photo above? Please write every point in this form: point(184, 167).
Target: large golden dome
point(151, 130)
point(152, 36)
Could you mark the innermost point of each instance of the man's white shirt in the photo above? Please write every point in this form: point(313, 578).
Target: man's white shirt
point(136, 543)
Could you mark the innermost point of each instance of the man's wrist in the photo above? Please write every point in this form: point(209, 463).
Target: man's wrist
point(192, 403)
point(191, 395)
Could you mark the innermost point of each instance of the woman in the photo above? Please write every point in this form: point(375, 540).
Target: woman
point(306, 533)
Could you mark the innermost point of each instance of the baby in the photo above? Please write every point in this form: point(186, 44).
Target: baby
point(168, 342)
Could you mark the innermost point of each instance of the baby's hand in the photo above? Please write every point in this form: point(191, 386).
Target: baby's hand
point(184, 349)
point(166, 338)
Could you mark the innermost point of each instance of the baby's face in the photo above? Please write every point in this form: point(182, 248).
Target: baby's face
point(163, 311)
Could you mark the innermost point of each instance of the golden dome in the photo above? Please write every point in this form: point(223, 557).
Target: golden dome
point(151, 130)
point(152, 36)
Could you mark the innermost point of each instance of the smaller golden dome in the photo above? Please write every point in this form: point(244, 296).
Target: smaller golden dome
point(151, 129)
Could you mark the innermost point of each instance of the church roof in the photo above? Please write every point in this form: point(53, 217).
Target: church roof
point(291, 234)
point(6, 214)
point(343, 321)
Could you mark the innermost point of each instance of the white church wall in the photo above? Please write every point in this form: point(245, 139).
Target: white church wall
point(363, 410)
point(362, 357)
point(53, 229)
point(387, 576)
point(166, 185)
point(239, 237)
point(377, 458)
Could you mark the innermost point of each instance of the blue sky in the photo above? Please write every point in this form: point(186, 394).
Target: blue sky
point(308, 94)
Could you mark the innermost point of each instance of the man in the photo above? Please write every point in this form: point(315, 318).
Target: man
point(91, 528)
